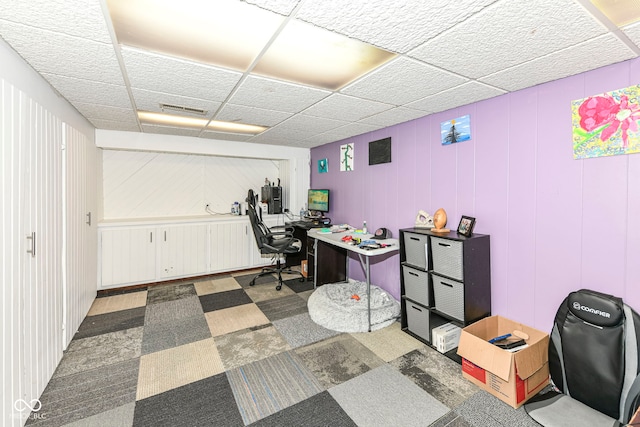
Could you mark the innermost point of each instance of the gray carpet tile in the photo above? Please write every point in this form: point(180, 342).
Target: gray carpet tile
point(221, 300)
point(208, 402)
point(246, 279)
point(168, 311)
point(320, 410)
point(100, 351)
point(384, 397)
point(170, 292)
point(249, 345)
point(161, 336)
point(300, 330)
point(78, 396)
point(485, 410)
point(281, 308)
point(119, 291)
point(437, 375)
point(110, 322)
point(297, 286)
point(121, 416)
point(451, 419)
point(267, 386)
point(338, 359)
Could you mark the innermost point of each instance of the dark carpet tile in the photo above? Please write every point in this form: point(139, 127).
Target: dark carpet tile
point(171, 292)
point(280, 308)
point(78, 396)
point(174, 333)
point(319, 410)
point(297, 286)
point(245, 280)
point(111, 322)
point(220, 300)
point(119, 291)
point(207, 402)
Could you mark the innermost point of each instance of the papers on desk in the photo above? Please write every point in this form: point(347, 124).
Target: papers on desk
point(324, 231)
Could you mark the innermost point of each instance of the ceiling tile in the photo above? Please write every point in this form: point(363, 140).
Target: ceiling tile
point(509, 33)
point(455, 97)
point(160, 73)
point(633, 32)
point(93, 111)
point(283, 7)
point(57, 53)
point(586, 56)
point(396, 26)
point(80, 18)
point(302, 122)
point(89, 92)
point(250, 115)
point(347, 131)
point(393, 117)
point(147, 100)
point(130, 126)
point(342, 107)
point(271, 94)
point(401, 81)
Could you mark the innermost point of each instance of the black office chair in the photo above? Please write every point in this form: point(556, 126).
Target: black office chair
point(275, 241)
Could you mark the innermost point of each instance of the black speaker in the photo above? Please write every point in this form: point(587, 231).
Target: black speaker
point(272, 196)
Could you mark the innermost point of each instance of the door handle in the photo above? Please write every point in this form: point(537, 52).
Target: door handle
point(89, 218)
point(32, 237)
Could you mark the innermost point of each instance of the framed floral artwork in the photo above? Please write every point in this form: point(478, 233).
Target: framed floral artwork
point(606, 124)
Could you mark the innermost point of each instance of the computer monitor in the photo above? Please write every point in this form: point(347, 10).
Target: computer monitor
point(318, 200)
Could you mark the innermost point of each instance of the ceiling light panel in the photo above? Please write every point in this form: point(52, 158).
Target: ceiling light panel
point(620, 12)
point(174, 120)
point(228, 33)
point(310, 55)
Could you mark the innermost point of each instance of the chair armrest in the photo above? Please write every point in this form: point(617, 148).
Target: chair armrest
point(288, 228)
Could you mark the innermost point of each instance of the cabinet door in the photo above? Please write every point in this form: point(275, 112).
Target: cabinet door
point(183, 250)
point(229, 243)
point(128, 255)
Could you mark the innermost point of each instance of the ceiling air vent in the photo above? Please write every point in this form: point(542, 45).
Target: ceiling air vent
point(183, 109)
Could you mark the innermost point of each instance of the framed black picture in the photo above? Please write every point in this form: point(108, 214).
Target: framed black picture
point(380, 151)
point(466, 225)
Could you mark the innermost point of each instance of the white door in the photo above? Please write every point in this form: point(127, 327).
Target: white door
point(183, 250)
point(128, 255)
point(31, 140)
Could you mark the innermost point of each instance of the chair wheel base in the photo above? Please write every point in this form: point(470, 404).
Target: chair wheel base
point(279, 287)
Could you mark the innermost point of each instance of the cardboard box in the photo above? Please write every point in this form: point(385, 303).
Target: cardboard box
point(304, 267)
point(445, 337)
point(511, 377)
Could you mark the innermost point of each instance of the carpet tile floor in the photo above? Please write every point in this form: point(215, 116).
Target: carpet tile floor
point(217, 352)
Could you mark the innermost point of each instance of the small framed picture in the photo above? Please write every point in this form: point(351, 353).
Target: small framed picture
point(466, 225)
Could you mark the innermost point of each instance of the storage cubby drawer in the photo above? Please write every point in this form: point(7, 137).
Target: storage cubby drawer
point(447, 257)
point(416, 285)
point(415, 248)
point(449, 297)
point(418, 320)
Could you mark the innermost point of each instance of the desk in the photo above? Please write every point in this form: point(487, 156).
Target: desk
point(335, 240)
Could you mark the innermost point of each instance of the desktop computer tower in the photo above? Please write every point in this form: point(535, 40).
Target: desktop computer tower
point(272, 196)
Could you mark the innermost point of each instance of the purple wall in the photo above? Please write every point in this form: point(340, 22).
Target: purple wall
point(556, 224)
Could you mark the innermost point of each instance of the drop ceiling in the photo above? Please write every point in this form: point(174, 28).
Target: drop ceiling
point(448, 54)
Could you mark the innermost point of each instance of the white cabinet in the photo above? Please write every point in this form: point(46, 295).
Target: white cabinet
point(138, 252)
point(128, 255)
point(183, 250)
point(230, 245)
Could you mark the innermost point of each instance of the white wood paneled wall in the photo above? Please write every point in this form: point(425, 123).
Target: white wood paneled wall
point(31, 283)
point(47, 252)
point(143, 184)
point(81, 236)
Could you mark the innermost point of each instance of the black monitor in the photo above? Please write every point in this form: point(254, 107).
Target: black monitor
point(318, 200)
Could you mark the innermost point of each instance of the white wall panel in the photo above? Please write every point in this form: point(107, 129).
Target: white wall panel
point(141, 184)
point(80, 229)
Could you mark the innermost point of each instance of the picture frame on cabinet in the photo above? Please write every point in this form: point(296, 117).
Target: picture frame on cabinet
point(466, 225)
